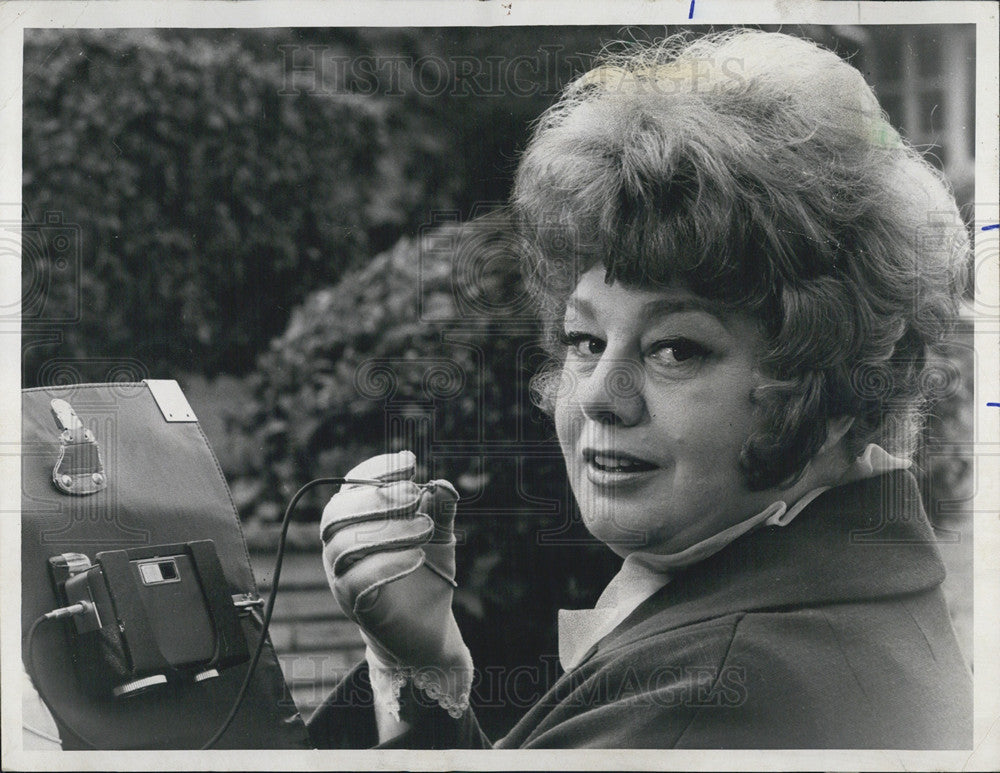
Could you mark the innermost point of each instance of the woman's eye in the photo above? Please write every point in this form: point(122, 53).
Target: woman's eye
point(582, 344)
point(676, 351)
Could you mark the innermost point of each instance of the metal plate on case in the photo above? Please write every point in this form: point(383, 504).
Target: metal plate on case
point(170, 399)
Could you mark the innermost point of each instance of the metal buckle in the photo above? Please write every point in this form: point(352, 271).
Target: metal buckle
point(79, 470)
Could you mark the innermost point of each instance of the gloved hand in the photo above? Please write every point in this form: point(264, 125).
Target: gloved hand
point(389, 556)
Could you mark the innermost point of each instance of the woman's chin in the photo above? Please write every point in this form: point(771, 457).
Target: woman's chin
point(622, 531)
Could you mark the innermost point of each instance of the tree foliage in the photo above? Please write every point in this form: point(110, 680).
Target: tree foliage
point(210, 200)
point(217, 176)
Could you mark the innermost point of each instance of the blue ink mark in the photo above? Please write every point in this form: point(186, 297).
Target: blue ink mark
point(993, 405)
point(984, 228)
point(691, 10)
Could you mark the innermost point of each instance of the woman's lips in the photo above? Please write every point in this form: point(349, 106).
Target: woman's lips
point(614, 468)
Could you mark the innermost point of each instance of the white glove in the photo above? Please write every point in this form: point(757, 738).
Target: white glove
point(389, 556)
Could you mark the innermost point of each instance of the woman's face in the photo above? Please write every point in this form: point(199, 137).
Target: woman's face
point(652, 412)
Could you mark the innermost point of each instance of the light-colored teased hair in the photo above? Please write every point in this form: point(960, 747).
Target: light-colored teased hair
point(758, 170)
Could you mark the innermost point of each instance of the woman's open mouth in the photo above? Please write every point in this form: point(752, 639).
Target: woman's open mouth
point(614, 467)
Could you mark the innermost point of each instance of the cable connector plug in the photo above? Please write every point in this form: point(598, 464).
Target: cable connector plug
point(79, 608)
point(85, 612)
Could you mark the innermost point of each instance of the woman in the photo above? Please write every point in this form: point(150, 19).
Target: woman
point(726, 256)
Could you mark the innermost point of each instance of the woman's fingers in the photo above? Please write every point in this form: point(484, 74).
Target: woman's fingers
point(364, 503)
point(351, 544)
point(386, 467)
point(357, 589)
point(439, 501)
point(386, 550)
point(375, 538)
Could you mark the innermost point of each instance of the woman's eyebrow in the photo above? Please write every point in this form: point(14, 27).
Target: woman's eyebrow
point(579, 306)
point(657, 307)
point(664, 306)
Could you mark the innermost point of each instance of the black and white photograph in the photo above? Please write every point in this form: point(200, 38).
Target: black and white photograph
point(431, 386)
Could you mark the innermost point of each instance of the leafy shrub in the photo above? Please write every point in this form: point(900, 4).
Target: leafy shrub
point(211, 196)
point(428, 349)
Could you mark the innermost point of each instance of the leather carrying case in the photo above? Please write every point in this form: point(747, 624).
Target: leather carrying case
point(137, 471)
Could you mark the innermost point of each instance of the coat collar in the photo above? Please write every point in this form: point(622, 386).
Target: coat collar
point(863, 540)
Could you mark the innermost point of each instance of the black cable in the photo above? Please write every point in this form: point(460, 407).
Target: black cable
point(269, 609)
point(29, 656)
point(265, 622)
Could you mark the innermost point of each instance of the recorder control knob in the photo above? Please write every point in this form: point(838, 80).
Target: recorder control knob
point(210, 673)
point(127, 689)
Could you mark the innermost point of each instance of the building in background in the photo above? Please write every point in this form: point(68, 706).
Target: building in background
point(924, 77)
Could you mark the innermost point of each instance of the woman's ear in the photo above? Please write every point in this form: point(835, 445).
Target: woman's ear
point(835, 431)
point(829, 462)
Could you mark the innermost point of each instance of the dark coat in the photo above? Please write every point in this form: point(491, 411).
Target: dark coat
point(831, 632)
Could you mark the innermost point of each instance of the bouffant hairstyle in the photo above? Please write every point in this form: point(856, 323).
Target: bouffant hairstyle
point(757, 170)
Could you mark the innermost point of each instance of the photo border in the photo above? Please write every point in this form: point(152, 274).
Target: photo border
point(15, 17)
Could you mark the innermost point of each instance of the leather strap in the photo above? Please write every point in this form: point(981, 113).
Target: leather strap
point(140, 642)
point(230, 643)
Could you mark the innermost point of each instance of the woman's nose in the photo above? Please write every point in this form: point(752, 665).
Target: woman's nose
point(612, 392)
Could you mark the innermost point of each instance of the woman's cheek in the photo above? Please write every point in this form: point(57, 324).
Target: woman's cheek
point(568, 420)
